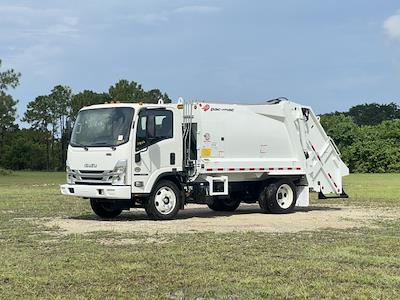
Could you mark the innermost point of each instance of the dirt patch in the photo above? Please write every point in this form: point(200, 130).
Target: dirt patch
point(158, 240)
point(197, 218)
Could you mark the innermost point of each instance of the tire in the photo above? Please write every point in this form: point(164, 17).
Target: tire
point(278, 197)
point(224, 204)
point(103, 209)
point(164, 201)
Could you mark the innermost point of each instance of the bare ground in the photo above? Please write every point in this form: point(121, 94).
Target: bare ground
point(197, 218)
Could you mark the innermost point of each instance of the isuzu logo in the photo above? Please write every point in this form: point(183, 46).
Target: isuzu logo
point(90, 165)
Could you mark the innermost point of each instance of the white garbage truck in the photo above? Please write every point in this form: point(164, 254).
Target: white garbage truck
point(161, 157)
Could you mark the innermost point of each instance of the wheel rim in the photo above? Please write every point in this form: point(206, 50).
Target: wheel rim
point(284, 196)
point(165, 200)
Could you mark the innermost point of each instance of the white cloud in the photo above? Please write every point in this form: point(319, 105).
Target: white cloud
point(71, 21)
point(38, 59)
point(22, 20)
point(157, 18)
point(392, 27)
point(199, 9)
point(25, 10)
point(33, 38)
point(151, 18)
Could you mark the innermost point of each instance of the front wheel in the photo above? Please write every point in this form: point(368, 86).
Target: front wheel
point(104, 209)
point(278, 197)
point(164, 201)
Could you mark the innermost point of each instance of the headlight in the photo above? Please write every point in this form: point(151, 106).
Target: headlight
point(69, 173)
point(119, 173)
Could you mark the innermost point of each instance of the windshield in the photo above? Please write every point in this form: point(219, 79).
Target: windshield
point(102, 127)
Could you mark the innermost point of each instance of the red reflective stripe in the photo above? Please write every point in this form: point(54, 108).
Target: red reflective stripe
point(316, 152)
point(334, 183)
point(254, 169)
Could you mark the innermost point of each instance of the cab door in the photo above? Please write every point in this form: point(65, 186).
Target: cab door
point(158, 147)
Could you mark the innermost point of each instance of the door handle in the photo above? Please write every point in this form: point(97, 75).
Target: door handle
point(172, 158)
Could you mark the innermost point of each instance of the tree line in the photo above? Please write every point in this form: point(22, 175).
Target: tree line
point(368, 135)
point(43, 146)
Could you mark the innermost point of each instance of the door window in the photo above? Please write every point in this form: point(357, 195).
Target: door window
point(154, 125)
point(163, 125)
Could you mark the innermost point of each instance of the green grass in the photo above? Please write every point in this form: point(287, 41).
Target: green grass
point(375, 188)
point(38, 262)
point(370, 190)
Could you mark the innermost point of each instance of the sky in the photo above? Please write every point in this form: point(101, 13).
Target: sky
point(326, 54)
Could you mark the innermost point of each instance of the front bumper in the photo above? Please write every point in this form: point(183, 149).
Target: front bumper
point(96, 191)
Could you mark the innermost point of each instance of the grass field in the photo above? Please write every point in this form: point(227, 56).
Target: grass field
point(39, 262)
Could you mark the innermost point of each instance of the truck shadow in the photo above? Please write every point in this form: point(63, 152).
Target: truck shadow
point(200, 212)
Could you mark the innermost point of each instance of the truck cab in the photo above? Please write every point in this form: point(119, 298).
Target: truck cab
point(118, 151)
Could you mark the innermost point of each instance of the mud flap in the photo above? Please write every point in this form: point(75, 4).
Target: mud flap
point(302, 196)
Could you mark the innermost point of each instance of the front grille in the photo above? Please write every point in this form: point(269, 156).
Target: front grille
point(92, 177)
point(91, 172)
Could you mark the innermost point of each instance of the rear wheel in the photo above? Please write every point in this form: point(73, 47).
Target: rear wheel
point(278, 197)
point(104, 209)
point(224, 204)
point(164, 201)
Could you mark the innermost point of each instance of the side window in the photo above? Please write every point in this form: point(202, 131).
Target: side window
point(163, 125)
point(154, 125)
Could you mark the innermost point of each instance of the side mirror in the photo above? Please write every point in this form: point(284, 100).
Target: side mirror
point(138, 157)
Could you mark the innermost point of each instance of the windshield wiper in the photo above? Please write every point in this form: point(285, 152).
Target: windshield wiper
point(79, 145)
point(105, 144)
point(93, 145)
